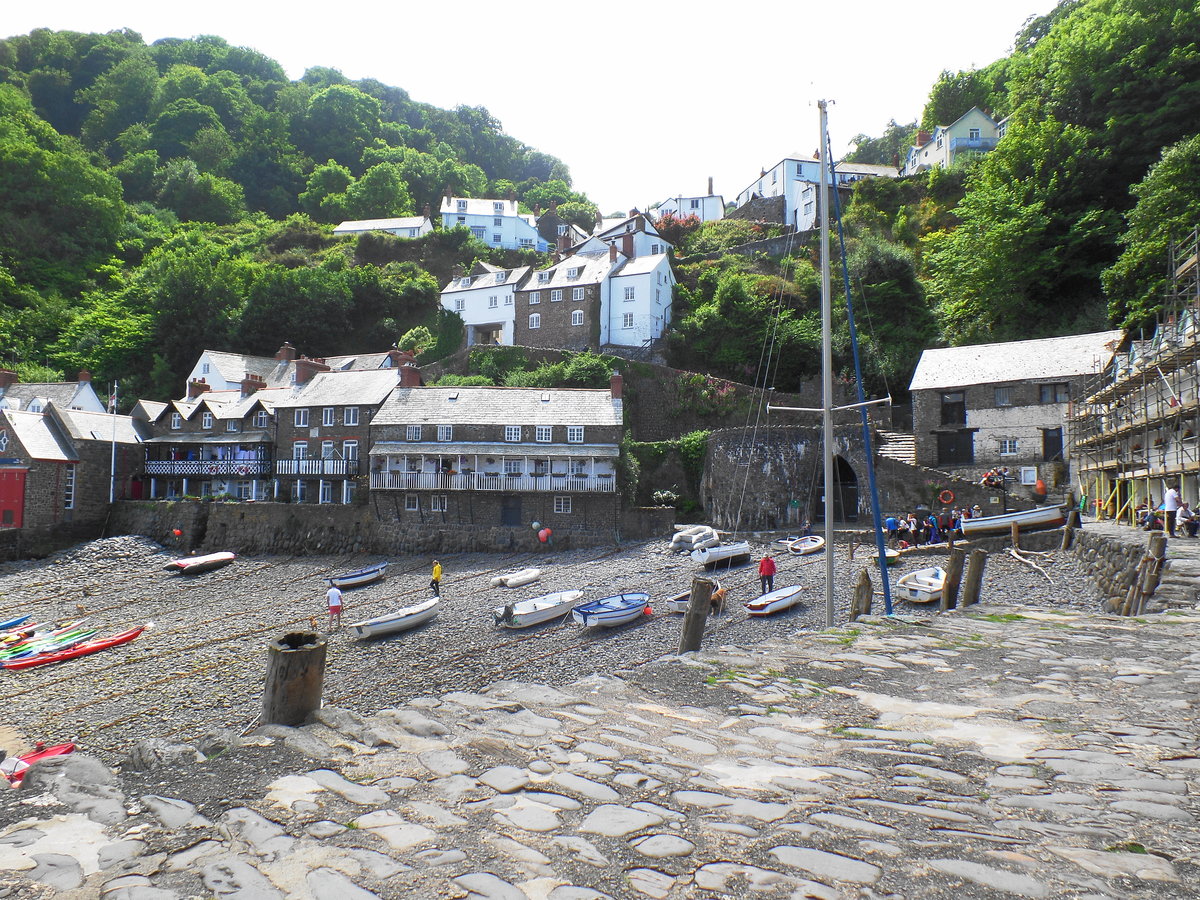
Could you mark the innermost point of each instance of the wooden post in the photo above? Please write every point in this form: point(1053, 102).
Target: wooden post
point(974, 579)
point(1015, 531)
point(295, 676)
point(954, 570)
point(863, 593)
point(699, 604)
point(1073, 518)
point(1153, 575)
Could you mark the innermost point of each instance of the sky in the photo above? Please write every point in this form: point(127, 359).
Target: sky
point(642, 101)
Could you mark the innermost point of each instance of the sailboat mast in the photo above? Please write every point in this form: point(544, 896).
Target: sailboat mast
point(826, 363)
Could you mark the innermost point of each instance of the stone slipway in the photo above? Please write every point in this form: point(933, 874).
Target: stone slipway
point(993, 754)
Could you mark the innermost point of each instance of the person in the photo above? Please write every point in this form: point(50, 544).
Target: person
point(1170, 506)
point(333, 599)
point(436, 581)
point(805, 528)
point(1186, 518)
point(892, 526)
point(934, 536)
point(766, 573)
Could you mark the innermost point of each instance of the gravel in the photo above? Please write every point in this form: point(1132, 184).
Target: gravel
point(202, 665)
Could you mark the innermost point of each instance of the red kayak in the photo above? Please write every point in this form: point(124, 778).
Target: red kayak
point(84, 649)
point(13, 770)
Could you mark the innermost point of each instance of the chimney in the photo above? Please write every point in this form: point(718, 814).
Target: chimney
point(400, 357)
point(923, 137)
point(557, 257)
point(553, 206)
point(252, 383)
point(627, 244)
point(615, 385)
point(564, 243)
point(710, 190)
point(306, 368)
point(612, 252)
point(286, 353)
point(84, 375)
point(537, 210)
point(512, 195)
point(196, 388)
point(410, 375)
point(599, 222)
point(428, 211)
point(7, 378)
point(633, 212)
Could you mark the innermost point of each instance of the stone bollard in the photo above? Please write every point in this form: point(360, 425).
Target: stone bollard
point(699, 604)
point(295, 676)
point(974, 579)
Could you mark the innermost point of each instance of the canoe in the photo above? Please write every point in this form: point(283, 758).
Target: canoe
point(1026, 519)
point(85, 649)
point(615, 610)
point(13, 623)
point(517, 579)
point(724, 553)
point(922, 586)
point(13, 768)
point(49, 645)
point(358, 577)
point(194, 565)
point(774, 601)
point(400, 620)
point(536, 610)
point(810, 543)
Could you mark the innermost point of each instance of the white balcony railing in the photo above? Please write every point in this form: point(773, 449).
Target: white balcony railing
point(478, 481)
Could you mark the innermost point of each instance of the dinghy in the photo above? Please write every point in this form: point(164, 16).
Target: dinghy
point(13, 768)
point(358, 577)
point(517, 579)
point(194, 565)
point(615, 610)
point(922, 586)
point(723, 554)
point(678, 603)
point(784, 544)
point(811, 543)
point(1026, 520)
point(536, 610)
point(891, 557)
point(400, 620)
point(774, 601)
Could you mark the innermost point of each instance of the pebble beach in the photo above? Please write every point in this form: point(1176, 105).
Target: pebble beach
point(202, 665)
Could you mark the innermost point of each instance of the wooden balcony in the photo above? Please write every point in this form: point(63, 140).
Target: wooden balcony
point(480, 481)
point(209, 468)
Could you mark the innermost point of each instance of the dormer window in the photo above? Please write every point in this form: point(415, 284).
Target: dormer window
point(543, 277)
point(462, 205)
point(260, 419)
point(206, 420)
point(464, 282)
point(501, 277)
point(562, 229)
point(176, 421)
point(498, 206)
point(573, 273)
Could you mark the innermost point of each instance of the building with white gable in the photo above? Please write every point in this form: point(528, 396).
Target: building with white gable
point(795, 179)
point(484, 300)
point(972, 135)
point(406, 227)
point(707, 207)
point(498, 223)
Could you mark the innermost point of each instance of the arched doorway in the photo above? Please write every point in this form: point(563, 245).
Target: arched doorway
point(845, 494)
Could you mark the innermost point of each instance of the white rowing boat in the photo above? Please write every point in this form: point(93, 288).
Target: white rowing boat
point(194, 565)
point(722, 553)
point(810, 543)
point(774, 601)
point(517, 579)
point(400, 620)
point(615, 610)
point(358, 577)
point(536, 610)
point(922, 586)
point(1026, 520)
point(891, 557)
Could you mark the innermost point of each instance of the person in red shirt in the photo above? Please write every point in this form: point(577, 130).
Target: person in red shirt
point(766, 572)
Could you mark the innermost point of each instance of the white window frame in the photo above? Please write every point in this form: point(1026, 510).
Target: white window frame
point(543, 434)
point(459, 304)
point(1009, 446)
point(299, 449)
point(512, 434)
point(543, 277)
point(300, 419)
point(535, 297)
point(245, 490)
point(573, 272)
point(350, 415)
point(438, 503)
point(445, 433)
point(512, 466)
point(497, 222)
point(577, 317)
point(412, 432)
point(562, 505)
point(627, 320)
point(508, 300)
point(1028, 474)
point(535, 321)
point(461, 205)
point(412, 502)
point(496, 238)
point(349, 449)
point(69, 486)
point(327, 450)
point(299, 492)
point(328, 416)
point(231, 425)
point(574, 434)
point(176, 421)
point(204, 369)
point(260, 419)
point(556, 295)
point(630, 292)
point(578, 467)
point(206, 420)
point(493, 301)
point(577, 293)
point(326, 492)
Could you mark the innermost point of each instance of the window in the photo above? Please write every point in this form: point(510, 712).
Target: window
point(412, 502)
point(573, 272)
point(301, 418)
point(460, 305)
point(535, 320)
point(232, 425)
point(498, 206)
point(437, 503)
point(445, 433)
point(1008, 446)
point(577, 317)
point(562, 229)
point(535, 297)
point(508, 300)
point(576, 293)
point(260, 419)
point(630, 293)
point(349, 449)
point(578, 467)
point(326, 449)
point(412, 432)
point(206, 420)
point(526, 243)
point(204, 369)
point(245, 490)
point(562, 504)
point(176, 421)
point(627, 320)
point(656, 248)
point(574, 434)
point(939, 142)
point(556, 295)
point(461, 220)
point(954, 408)
point(327, 415)
point(1053, 393)
point(326, 495)
point(501, 277)
point(464, 282)
point(512, 433)
point(348, 491)
point(495, 238)
point(300, 450)
point(973, 134)
point(298, 491)
point(512, 467)
point(1028, 475)
point(694, 203)
point(496, 223)
point(658, 296)
point(543, 277)
point(350, 415)
point(1003, 396)
point(774, 176)
point(542, 434)
point(493, 301)
point(462, 205)
point(69, 487)
point(477, 230)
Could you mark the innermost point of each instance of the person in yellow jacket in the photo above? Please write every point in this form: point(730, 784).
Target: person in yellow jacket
point(436, 581)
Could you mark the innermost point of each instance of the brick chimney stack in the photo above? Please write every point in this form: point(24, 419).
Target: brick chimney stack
point(252, 383)
point(616, 385)
point(627, 244)
point(410, 375)
point(286, 353)
point(306, 368)
point(923, 137)
point(599, 222)
point(710, 186)
point(84, 375)
point(400, 357)
point(612, 252)
point(7, 378)
point(197, 387)
point(564, 243)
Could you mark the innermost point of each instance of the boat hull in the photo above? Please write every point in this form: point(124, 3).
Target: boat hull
point(774, 601)
point(360, 577)
point(536, 610)
point(517, 579)
point(398, 621)
point(85, 649)
point(807, 545)
point(194, 565)
point(14, 768)
point(1026, 520)
point(922, 586)
point(723, 554)
point(609, 611)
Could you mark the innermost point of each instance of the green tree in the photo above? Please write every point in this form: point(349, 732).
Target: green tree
point(197, 196)
point(339, 124)
point(324, 196)
point(379, 194)
point(888, 149)
point(179, 124)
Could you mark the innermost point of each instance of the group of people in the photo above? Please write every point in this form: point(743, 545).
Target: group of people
point(335, 604)
point(1173, 513)
point(933, 528)
point(996, 478)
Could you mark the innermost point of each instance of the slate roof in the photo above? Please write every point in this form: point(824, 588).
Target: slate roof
point(611, 227)
point(853, 168)
point(487, 280)
point(39, 435)
point(1060, 357)
point(593, 267)
point(498, 406)
point(380, 224)
point(361, 388)
point(60, 393)
point(234, 366)
point(91, 426)
point(480, 206)
point(151, 409)
point(640, 265)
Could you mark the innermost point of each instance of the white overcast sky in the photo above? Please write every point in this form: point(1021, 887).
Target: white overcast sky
point(642, 100)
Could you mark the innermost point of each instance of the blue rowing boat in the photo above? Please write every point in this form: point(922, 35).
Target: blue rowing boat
point(615, 610)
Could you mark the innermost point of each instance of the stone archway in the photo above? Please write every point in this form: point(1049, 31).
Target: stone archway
point(845, 493)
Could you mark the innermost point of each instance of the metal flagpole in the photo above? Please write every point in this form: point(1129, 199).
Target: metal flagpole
point(112, 409)
point(826, 364)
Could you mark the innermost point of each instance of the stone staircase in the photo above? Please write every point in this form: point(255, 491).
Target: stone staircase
point(898, 445)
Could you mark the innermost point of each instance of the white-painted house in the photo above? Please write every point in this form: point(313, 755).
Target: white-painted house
point(639, 292)
point(484, 300)
point(634, 235)
point(795, 179)
point(707, 208)
point(498, 223)
point(972, 135)
point(407, 227)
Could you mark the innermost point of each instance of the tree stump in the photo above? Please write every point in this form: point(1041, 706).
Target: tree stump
point(295, 677)
point(954, 571)
point(699, 604)
point(864, 591)
point(1015, 531)
point(974, 580)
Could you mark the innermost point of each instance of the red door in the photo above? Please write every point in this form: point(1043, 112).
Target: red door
point(12, 497)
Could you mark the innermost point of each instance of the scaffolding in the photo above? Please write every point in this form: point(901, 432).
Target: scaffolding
point(1139, 426)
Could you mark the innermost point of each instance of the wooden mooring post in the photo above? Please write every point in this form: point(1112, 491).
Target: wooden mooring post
point(1149, 574)
point(699, 604)
point(295, 677)
point(974, 580)
point(864, 592)
point(954, 571)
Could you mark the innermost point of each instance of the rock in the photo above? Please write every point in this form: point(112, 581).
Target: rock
point(155, 753)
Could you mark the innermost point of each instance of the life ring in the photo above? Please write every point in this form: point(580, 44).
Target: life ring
point(212, 470)
point(243, 470)
point(946, 497)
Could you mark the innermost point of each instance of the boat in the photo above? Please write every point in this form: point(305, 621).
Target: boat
point(810, 543)
point(85, 649)
point(13, 768)
point(1026, 520)
point(615, 610)
point(400, 620)
point(891, 557)
point(922, 586)
point(678, 603)
point(774, 601)
point(358, 577)
point(13, 623)
point(726, 554)
point(194, 565)
point(517, 579)
point(536, 610)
